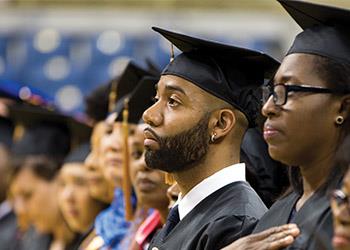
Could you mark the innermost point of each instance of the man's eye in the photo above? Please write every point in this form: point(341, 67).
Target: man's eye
point(172, 102)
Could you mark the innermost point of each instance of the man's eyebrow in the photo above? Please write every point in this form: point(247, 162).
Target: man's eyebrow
point(175, 88)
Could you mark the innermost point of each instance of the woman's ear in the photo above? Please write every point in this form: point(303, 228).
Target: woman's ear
point(344, 109)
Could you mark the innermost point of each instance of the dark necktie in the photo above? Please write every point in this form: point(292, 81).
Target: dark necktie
point(172, 220)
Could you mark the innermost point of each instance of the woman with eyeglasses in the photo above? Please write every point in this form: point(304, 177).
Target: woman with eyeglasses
point(307, 118)
point(340, 202)
point(307, 108)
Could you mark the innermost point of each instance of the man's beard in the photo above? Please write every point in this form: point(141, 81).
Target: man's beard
point(182, 151)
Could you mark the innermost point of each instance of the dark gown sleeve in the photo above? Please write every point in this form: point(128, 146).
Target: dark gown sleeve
point(8, 232)
point(224, 231)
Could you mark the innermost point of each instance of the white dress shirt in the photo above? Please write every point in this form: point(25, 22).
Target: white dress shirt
point(208, 186)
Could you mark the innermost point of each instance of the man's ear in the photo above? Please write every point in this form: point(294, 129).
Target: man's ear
point(224, 121)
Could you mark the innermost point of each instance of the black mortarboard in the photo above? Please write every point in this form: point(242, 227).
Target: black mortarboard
point(45, 138)
point(126, 83)
point(227, 72)
point(152, 67)
point(326, 30)
point(79, 154)
point(46, 132)
point(96, 102)
point(6, 131)
point(138, 100)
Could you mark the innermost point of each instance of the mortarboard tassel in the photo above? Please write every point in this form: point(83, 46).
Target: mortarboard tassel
point(126, 174)
point(18, 132)
point(112, 98)
point(169, 179)
point(172, 55)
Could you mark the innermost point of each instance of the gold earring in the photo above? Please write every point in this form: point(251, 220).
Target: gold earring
point(212, 138)
point(339, 120)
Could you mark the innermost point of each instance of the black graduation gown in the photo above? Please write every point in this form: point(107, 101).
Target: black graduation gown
point(314, 220)
point(8, 231)
point(12, 239)
point(32, 240)
point(224, 216)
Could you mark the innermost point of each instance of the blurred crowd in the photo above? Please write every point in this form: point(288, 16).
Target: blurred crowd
point(224, 148)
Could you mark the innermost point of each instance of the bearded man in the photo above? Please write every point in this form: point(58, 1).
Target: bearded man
point(204, 104)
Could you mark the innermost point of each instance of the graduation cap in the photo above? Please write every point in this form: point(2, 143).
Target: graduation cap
point(6, 131)
point(79, 154)
point(228, 72)
point(138, 100)
point(325, 30)
point(126, 83)
point(152, 67)
point(46, 131)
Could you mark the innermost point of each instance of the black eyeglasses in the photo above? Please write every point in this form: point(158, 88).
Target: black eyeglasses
point(340, 198)
point(280, 91)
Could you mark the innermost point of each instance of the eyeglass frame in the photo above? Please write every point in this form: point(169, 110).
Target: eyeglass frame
point(295, 88)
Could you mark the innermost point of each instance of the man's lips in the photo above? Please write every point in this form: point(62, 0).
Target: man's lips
point(150, 134)
point(151, 139)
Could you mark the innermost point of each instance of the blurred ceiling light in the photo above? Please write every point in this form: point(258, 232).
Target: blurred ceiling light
point(69, 98)
point(109, 42)
point(57, 68)
point(47, 40)
point(117, 66)
point(25, 93)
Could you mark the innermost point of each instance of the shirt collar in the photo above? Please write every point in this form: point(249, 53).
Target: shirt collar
point(208, 186)
point(5, 208)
